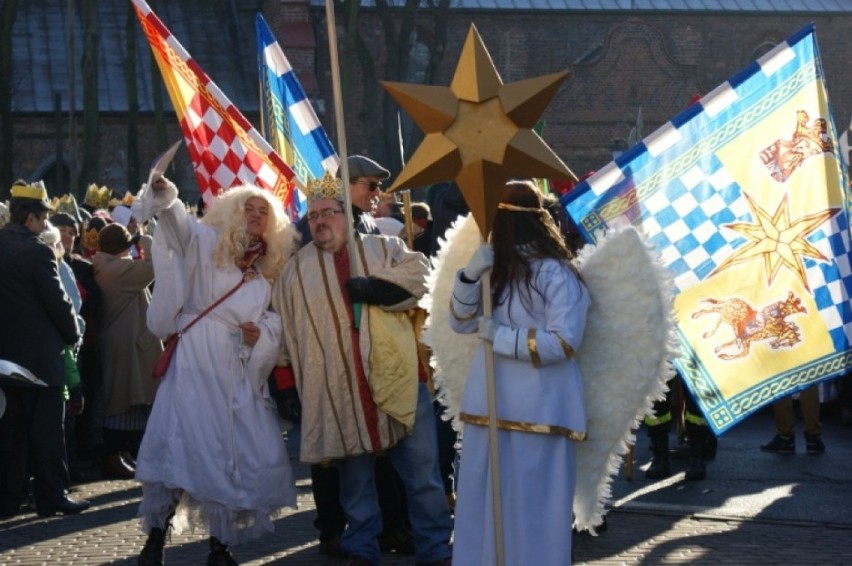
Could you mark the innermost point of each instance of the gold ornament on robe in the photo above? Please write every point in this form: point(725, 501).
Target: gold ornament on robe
point(479, 131)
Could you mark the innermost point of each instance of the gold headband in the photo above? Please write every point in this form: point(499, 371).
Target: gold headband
point(516, 208)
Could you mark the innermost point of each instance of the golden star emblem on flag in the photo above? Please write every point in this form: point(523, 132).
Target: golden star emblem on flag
point(777, 239)
point(479, 131)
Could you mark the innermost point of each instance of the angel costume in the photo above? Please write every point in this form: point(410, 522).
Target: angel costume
point(540, 412)
point(212, 440)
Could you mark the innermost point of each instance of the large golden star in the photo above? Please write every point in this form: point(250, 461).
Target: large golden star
point(776, 239)
point(478, 131)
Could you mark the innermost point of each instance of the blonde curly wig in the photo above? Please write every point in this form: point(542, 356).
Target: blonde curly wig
point(226, 215)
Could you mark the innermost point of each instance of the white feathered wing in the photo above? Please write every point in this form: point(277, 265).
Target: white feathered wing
point(624, 356)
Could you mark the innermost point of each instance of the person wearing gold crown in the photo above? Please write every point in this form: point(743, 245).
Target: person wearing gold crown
point(212, 457)
point(97, 198)
point(38, 322)
point(352, 354)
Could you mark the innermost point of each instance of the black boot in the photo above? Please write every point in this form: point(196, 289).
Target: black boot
point(219, 555)
point(153, 552)
point(697, 434)
point(710, 447)
point(660, 467)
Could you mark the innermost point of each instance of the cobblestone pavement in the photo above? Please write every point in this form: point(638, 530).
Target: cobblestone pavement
point(750, 510)
point(108, 533)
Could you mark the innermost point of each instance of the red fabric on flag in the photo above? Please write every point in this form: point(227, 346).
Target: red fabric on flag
point(226, 151)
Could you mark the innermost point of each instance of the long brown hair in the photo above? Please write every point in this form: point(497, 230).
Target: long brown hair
point(523, 231)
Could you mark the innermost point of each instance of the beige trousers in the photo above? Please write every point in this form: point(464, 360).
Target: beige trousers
point(785, 419)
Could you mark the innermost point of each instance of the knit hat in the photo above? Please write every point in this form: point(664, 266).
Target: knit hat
point(360, 166)
point(114, 239)
point(63, 219)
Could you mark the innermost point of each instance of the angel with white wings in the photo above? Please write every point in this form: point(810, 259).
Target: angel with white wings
point(581, 349)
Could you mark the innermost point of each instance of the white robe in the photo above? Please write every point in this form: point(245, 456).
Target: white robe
point(537, 469)
point(212, 437)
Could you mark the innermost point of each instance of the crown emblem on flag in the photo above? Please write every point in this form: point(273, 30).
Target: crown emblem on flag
point(97, 197)
point(327, 186)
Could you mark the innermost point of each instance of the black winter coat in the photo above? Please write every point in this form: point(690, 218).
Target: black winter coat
point(37, 318)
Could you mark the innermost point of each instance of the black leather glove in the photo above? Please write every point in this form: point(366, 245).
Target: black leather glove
point(288, 403)
point(372, 291)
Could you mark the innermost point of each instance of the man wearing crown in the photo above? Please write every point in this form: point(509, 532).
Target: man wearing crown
point(37, 324)
point(351, 350)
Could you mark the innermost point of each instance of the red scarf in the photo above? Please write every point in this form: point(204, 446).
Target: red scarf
point(254, 251)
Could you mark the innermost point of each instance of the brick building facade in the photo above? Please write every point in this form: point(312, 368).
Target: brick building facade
point(621, 61)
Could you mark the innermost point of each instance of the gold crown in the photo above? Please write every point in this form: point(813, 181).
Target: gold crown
point(97, 197)
point(90, 239)
point(36, 190)
point(128, 199)
point(328, 186)
point(68, 204)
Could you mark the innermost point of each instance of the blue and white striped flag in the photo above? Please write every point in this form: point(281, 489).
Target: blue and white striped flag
point(288, 119)
point(745, 196)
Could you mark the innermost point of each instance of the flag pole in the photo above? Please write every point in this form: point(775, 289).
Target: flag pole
point(340, 126)
point(406, 194)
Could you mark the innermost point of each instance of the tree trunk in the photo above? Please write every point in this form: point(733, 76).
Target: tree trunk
point(91, 127)
point(7, 85)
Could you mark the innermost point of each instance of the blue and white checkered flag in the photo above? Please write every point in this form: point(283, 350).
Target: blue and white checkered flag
point(745, 196)
point(289, 121)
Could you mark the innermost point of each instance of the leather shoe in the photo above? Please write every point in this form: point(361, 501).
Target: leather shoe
point(116, 468)
point(65, 507)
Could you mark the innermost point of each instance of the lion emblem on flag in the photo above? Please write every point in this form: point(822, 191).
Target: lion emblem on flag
point(784, 156)
point(750, 325)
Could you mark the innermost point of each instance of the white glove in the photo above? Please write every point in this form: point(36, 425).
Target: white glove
point(151, 200)
point(480, 262)
point(487, 328)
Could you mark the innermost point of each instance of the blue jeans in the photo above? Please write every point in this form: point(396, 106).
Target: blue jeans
point(416, 460)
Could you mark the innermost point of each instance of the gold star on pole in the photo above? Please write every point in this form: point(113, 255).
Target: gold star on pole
point(777, 240)
point(479, 131)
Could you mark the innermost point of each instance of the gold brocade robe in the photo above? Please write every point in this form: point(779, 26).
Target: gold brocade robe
point(318, 344)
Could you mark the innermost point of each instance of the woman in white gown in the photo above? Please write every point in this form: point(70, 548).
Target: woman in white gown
point(539, 314)
point(212, 458)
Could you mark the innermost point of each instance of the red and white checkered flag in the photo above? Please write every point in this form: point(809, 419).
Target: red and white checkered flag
point(225, 149)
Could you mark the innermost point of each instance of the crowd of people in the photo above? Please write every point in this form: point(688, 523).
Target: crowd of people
point(311, 324)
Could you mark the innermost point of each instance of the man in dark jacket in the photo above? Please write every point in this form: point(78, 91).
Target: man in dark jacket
point(38, 322)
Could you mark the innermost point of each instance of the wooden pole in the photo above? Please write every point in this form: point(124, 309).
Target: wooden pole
point(340, 125)
point(493, 452)
point(409, 223)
